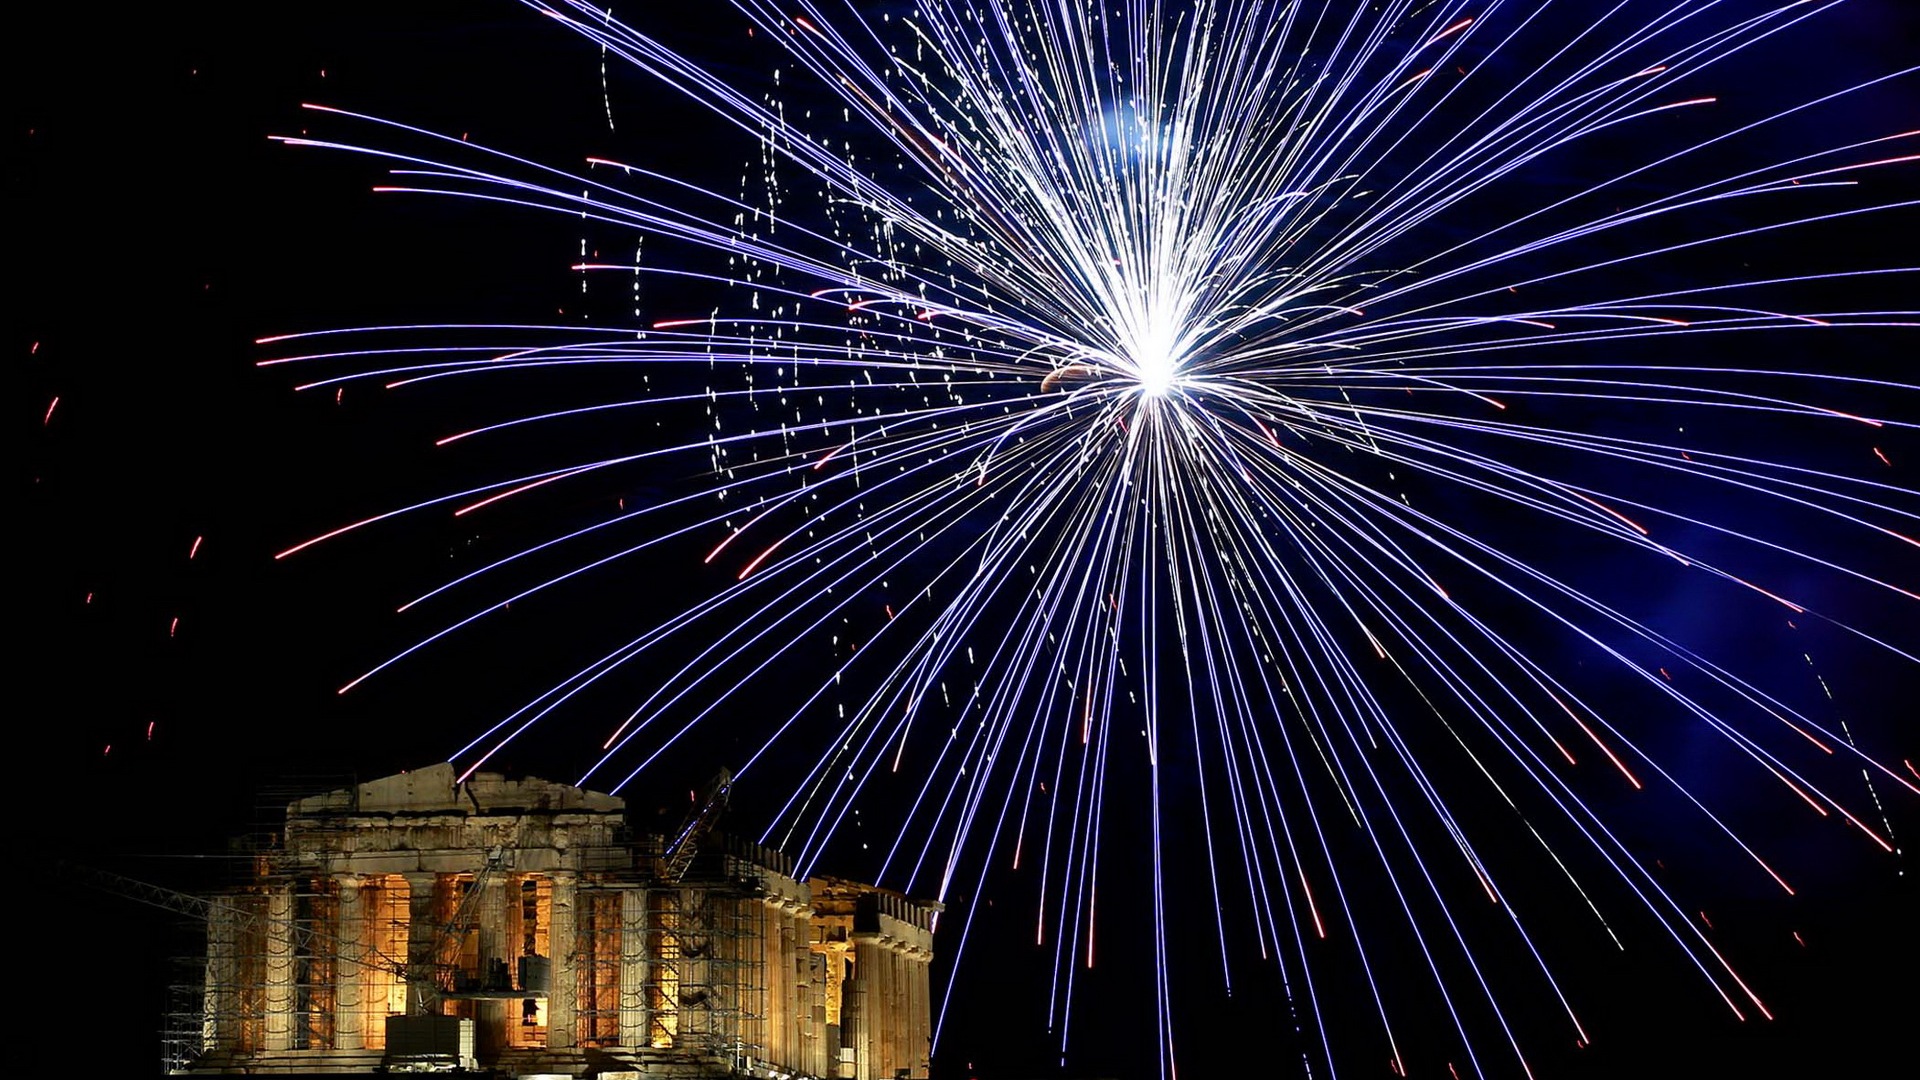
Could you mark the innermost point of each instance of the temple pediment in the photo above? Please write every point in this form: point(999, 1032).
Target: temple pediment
point(433, 790)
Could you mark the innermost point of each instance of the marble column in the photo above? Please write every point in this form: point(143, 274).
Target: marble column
point(792, 959)
point(494, 948)
point(723, 1005)
point(829, 990)
point(908, 1058)
point(920, 1023)
point(633, 969)
point(879, 988)
point(690, 1028)
point(808, 997)
point(516, 924)
point(422, 939)
point(790, 1002)
point(562, 995)
point(892, 1046)
point(220, 1000)
point(860, 992)
point(278, 1033)
point(898, 1061)
point(766, 952)
point(349, 950)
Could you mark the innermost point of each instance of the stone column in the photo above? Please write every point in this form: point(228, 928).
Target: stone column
point(562, 995)
point(349, 950)
point(909, 1058)
point(494, 949)
point(903, 1054)
point(422, 935)
point(516, 924)
point(826, 986)
point(858, 997)
point(220, 1001)
point(724, 1007)
point(759, 949)
point(808, 996)
point(920, 1011)
point(279, 998)
point(766, 952)
point(633, 968)
point(892, 1052)
point(879, 987)
point(690, 1030)
point(790, 954)
point(787, 1004)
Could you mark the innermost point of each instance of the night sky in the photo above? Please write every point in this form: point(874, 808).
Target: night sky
point(180, 680)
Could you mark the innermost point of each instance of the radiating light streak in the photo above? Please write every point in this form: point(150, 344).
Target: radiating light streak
point(1096, 259)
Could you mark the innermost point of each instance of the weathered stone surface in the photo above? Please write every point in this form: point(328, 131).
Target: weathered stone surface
point(575, 947)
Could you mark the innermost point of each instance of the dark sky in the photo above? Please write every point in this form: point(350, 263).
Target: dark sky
point(177, 678)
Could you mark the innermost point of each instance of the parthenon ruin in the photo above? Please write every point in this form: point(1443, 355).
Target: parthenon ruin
point(520, 927)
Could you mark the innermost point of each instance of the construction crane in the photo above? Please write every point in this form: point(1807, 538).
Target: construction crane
point(300, 933)
point(698, 823)
point(424, 981)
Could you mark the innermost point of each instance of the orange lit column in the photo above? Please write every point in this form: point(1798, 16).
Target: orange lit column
point(773, 1012)
point(562, 994)
point(350, 933)
point(421, 931)
point(779, 1024)
point(278, 1029)
point(793, 960)
point(792, 954)
point(494, 948)
point(812, 968)
point(516, 925)
point(633, 968)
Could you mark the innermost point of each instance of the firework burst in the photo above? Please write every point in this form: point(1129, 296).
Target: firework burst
point(1228, 419)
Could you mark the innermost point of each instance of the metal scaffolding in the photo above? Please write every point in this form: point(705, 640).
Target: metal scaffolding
point(307, 961)
point(676, 966)
point(418, 924)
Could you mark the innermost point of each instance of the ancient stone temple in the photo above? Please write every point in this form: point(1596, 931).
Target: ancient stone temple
point(520, 927)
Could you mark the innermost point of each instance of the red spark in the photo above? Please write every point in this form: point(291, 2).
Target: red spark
point(758, 559)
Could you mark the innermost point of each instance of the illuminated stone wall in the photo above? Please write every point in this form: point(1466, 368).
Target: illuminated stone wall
point(526, 908)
